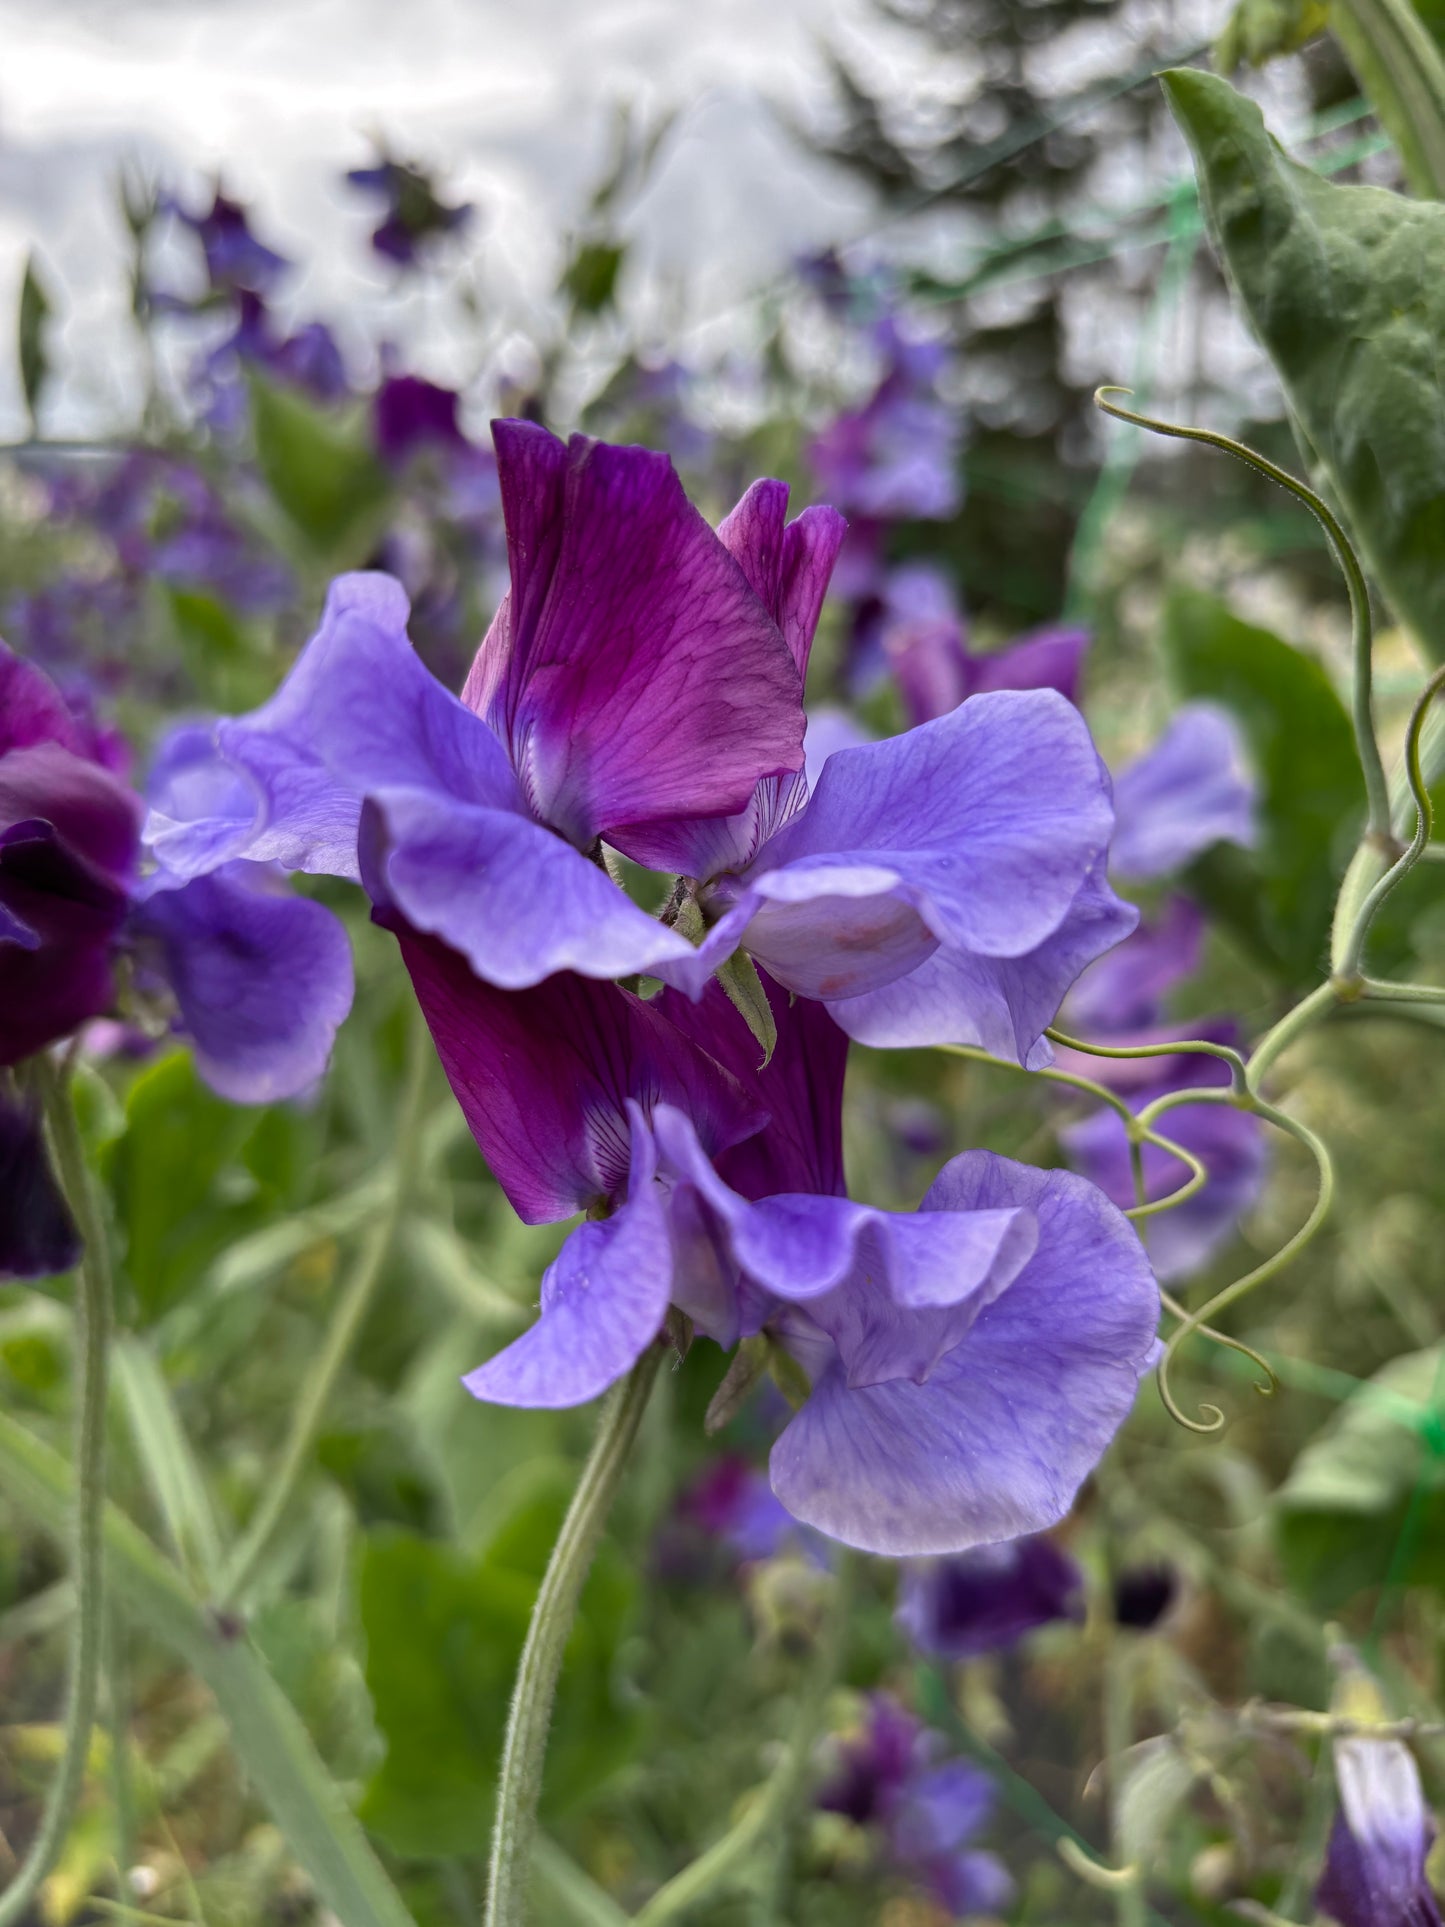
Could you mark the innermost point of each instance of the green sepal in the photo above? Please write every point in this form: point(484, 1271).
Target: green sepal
point(739, 978)
point(747, 1366)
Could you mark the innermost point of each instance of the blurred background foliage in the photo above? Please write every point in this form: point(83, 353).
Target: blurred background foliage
point(355, 1247)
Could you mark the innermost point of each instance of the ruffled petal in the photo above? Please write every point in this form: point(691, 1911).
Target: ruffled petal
point(544, 1077)
point(515, 900)
point(999, 1004)
point(262, 978)
point(359, 713)
point(998, 1439)
point(634, 675)
point(604, 1298)
point(1192, 790)
point(32, 709)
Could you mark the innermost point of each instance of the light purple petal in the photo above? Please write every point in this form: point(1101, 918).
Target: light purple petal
point(202, 808)
point(1192, 790)
point(544, 1077)
point(829, 730)
point(1374, 1873)
point(999, 1004)
point(633, 673)
point(977, 830)
point(263, 980)
point(359, 713)
point(604, 1298)
point(998, 1440)
point(514, 899)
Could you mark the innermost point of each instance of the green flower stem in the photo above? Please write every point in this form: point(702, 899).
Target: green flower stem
point(1376, 992)
point(346, 1321)
point(1377, 788)
point(270, 1740)
point(524, 1751)
point(728, 1859)
point(93, 1319)
point(1321, 1000)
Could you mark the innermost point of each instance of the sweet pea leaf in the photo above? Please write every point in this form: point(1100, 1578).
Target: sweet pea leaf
point(1345, 287)
point(35, 311)
point(183, 1181)
point(1278, 898)
point(1365, 1500)
point(320, 469)
point(444, 1631)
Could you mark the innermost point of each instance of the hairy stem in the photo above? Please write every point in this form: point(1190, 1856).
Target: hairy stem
point(93, 1316)
point(346, 1322)
point(725, 1859)
point(524, 1751)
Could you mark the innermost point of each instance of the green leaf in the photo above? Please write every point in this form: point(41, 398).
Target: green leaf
point(182, 1189)
point(1345, 287)
point(1365, 1500)
point(170, 1467)
point(1400, 69)
point(1279, 898)
point(591, 277)
point(35, 310)
point(444, 1631)
point(1261, 30)
point(320, 468)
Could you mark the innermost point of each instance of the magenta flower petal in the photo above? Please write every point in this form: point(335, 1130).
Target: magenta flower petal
point(1193, 789)
point(262, 978)
point(632, 673)
point(604, 1298)
point(544, 1077)
point(984, 1600)
point(32, 709)
point(996, 1441)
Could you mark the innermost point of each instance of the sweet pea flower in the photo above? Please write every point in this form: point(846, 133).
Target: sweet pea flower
point(929, 889)
point(1191, 790)
point(1374, 1874)
point(261, 980)
point(413, 215)
point(968, 1362)
point(987, 1599)
point(892, 1777)
point(235, 259)
point(631, 675)
point(896, 457)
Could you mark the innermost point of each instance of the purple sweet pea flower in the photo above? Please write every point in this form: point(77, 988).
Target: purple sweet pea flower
point(69, 845)
point(1374, 1873)
point(38, 1238)
point(631, 675)
point(410, 414)
point(235, 259)
point(895, 458)
point(930, 889)
point(413, 215)
point(969, 1362)
point(987, 1599)
point(927, 1809)
point(733, 1504)
point(1192, 790)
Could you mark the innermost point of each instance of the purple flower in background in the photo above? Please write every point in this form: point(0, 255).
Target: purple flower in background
point(413, 215)
point(969, 1362)
point(69, 850)
point(894, 459)
point(38, 1238)
point(1192, 790)
point(927, 1809)
point(1143, 1595)
point(984, 1600)
point(631, 675)
point(235, 259)
point(1374, 1874)
point(410, 414)
point(732, 1503)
